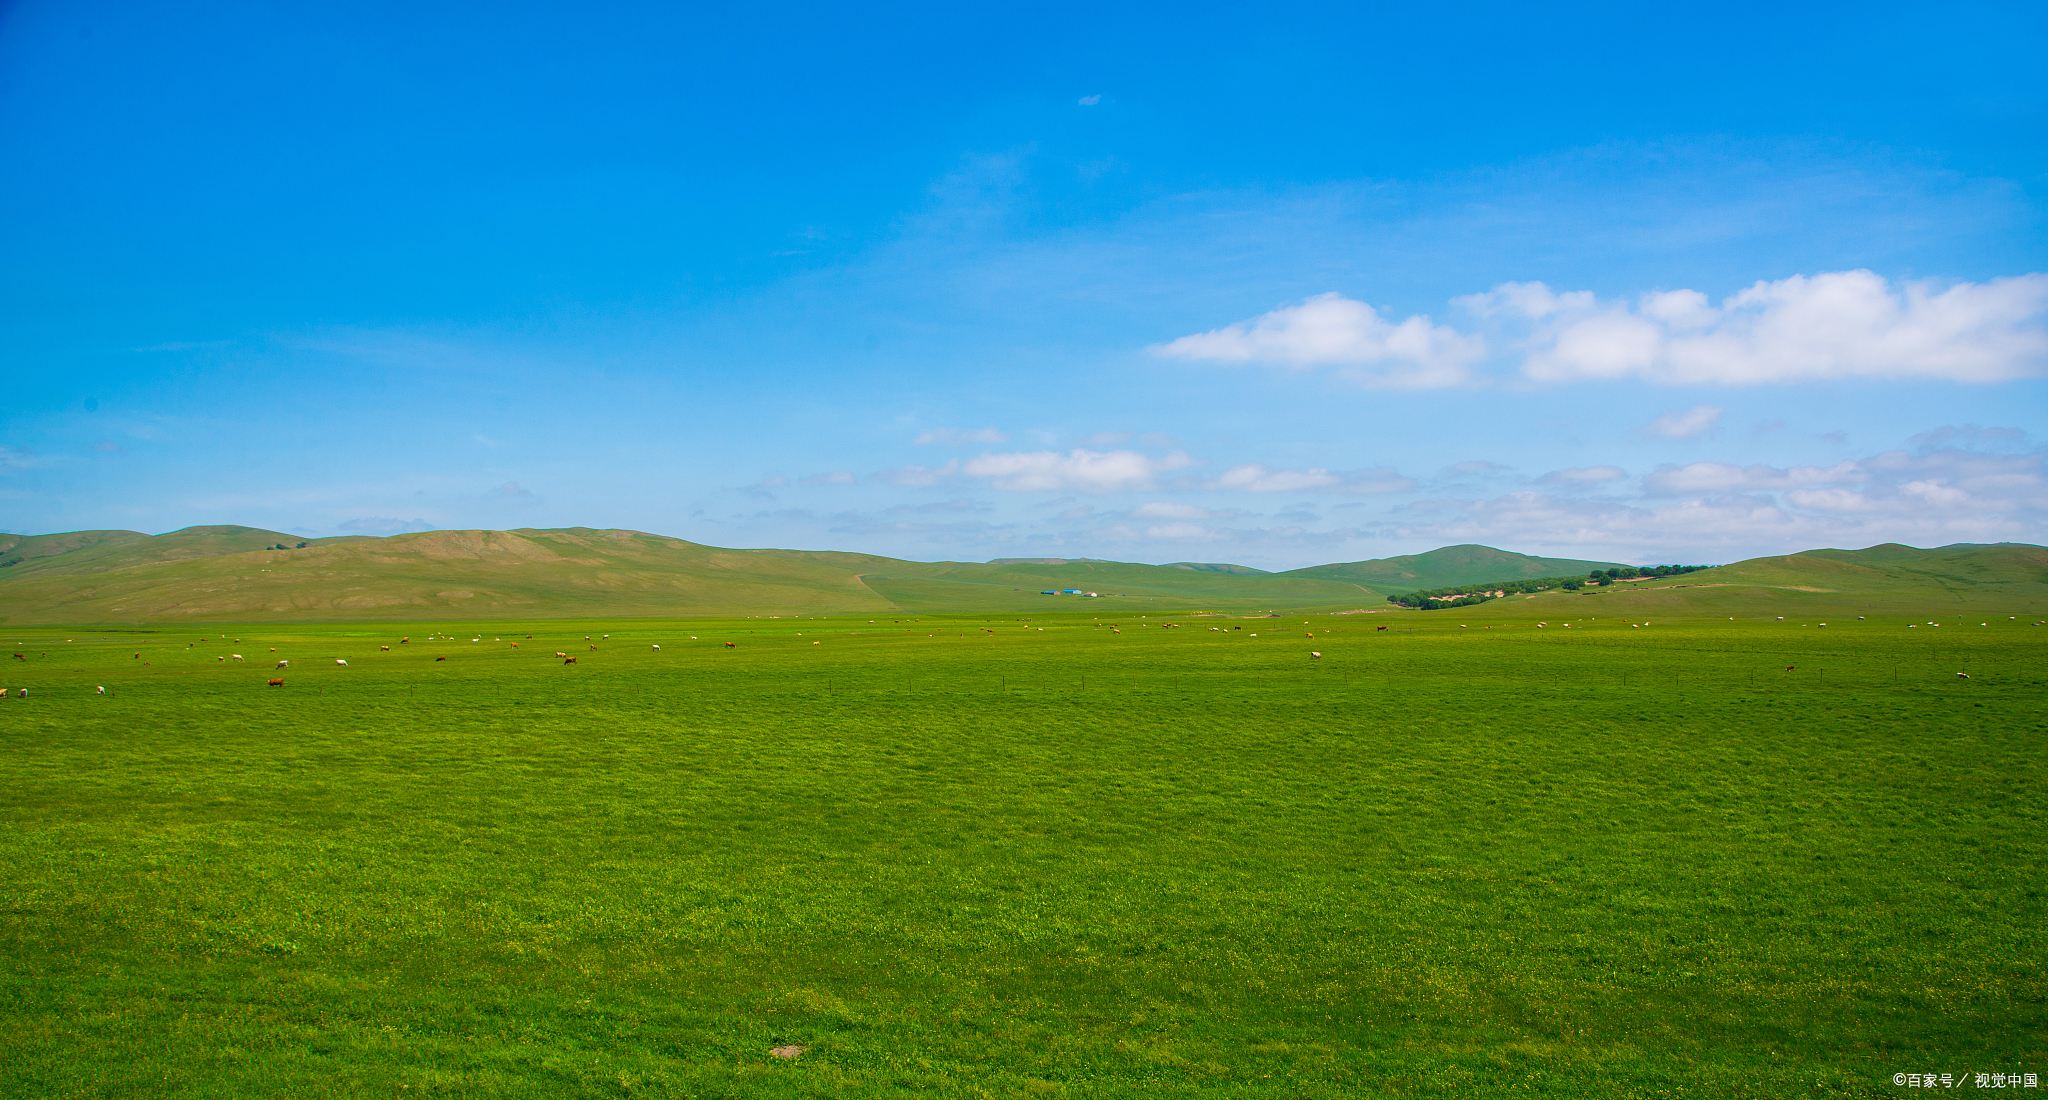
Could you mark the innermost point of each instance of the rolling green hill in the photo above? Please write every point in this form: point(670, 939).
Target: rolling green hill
point(82, 552)
point(2002, 579)
point(228, 574)
point(224, 574)
point(1450, 565)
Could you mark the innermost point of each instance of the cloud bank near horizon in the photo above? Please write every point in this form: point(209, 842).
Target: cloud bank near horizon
point(1834, 326)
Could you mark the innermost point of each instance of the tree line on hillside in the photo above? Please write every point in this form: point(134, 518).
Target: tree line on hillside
point(1467, 595)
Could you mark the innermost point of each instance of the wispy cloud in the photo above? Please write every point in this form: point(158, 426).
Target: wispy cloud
point(1695, 421)
point(1252, 477)
point(1080, 470)
point(1585, 475)
point(949, 437)
point(13, 458)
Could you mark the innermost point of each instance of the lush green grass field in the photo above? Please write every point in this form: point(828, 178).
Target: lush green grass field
point(1496, 859)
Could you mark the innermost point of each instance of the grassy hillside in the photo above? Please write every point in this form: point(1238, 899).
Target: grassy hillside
point(224, 574)
point(1450, 565)
point(82, 552)
point(1984, 582)
point(439, 573)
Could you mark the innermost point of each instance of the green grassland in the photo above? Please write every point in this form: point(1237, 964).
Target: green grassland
point(986, 855)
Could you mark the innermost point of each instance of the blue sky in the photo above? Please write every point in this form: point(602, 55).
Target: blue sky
point(1277, 286)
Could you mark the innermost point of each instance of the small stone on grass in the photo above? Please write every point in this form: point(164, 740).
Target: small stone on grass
point(787, 1052)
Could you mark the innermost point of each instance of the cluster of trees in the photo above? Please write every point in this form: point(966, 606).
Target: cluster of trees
point(1469, 594)
point(1627, 572)
point(1466, 595)
point(282, 546)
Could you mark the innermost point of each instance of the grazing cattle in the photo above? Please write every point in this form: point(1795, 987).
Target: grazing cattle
point(1959, 676)
point(559, 653)
point(284, 664)
point(732, 645)
point(402, 641)
point(275, 683)
point(341, 662)
point(238, 656)
point(515, 645)
point(1314, 656)
point(1789, 668)
point(383, 649)
point(100, 690)
point(568, 660)
point(440, 658)
point(1311, 633)
point(1379, 628)
point(593, 647)
point(657, 649)
point(220, 658)
point(19, 657)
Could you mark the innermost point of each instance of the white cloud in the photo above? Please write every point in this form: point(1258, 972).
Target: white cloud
point(1831, 326)
point(1532, 301)
point(1252, 477)
point(948, 437)
point(1720, 477)
point(1166, 509)
point(1183, 531)
point(1698, 420)
point(1089, 100)
point(1255, 478)
point(1835, 325)
point(1332, 330)
point(1079, 469)
point(1586, 475)
point(1709, 511)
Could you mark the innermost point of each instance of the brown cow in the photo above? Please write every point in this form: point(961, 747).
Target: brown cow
point(384, 648)
point(276, 683)
point(440, 658)
point(568, 660)
point(732, 645)
point(1379, 628)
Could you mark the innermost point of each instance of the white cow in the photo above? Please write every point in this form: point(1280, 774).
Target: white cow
point(341, 662)
point(284, 664)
